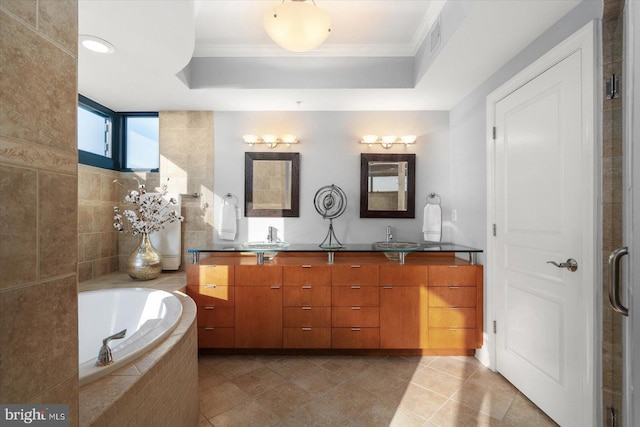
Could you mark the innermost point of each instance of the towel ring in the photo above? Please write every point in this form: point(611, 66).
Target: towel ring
point(433, 196)
point(228, 197)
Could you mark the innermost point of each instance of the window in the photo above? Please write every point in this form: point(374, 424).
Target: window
point(117, 141)
point(141, 136)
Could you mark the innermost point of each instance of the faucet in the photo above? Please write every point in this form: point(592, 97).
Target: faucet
point(272, 235)
point(389, 237)
point(104, 356)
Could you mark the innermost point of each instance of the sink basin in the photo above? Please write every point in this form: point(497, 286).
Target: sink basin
point(265, 245)
point(394, 248)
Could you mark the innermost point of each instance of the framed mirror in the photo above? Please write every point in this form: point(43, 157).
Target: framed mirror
point(387, 185)
point(271, 184)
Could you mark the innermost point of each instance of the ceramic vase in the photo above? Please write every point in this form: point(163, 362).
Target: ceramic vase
point(145, 263)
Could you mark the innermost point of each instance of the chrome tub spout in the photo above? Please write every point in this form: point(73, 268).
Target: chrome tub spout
point(104, 356)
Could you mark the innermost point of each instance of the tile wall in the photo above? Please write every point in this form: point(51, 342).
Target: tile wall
point(38, 203)
point(612, 362)
point(97, 239)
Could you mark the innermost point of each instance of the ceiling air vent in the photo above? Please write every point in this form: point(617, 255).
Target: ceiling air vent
point(435, 35)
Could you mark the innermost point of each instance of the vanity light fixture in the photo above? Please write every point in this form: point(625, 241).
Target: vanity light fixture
point(388, 141)
point(297, 25)
point(95, 44)
point(270, 141)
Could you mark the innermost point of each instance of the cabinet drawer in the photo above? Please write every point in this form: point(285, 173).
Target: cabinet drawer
point(306, 337)
point(216, 316)
point(355, 274)
point(212, 337)
point(453, 296)
point(355, 338)
point(452, 317)
point(453, 275)
point(453, 338)
point(295, 296)
point(348, 296)
point(258, 275)
point(318, 317)
point(212, 295)
point(317, 275)
point(363, 317)
point(210, 274)
point(404, 275)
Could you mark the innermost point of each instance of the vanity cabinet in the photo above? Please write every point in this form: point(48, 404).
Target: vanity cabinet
point(404, 306)
point(432, 304)
point(306, 313)
point(212, 289)
point(258, 307)
point(355, 306)
point(455, 306)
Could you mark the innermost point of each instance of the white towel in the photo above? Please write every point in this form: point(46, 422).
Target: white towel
point(227, 225)
point(432, 224)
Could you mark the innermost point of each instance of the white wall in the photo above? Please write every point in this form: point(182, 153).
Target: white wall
point(330, 154)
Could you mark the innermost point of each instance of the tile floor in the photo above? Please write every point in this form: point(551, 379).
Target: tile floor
point(358, 391)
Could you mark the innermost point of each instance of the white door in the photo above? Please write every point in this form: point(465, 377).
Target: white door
point(539, 207)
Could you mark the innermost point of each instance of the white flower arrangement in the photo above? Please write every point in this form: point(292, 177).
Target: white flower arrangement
point(151, 211)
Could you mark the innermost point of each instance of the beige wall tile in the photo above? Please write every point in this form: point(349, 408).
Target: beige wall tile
point(18, 216)
point(31, 65)
point(23, 9)
point(36, 156)
point(66, 391)
point(58, 224)
point(58, 20)
point(39, 347)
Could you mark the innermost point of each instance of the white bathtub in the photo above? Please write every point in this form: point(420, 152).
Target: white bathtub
point(148, 315)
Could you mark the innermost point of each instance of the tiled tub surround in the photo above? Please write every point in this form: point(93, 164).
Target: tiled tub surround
point(159, 388)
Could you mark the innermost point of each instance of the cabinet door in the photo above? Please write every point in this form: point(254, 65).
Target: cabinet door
point(258, 306)
point(403, 317)
point(258, 317)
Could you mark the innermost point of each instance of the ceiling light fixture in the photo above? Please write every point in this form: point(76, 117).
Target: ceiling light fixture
point(297, 25)
point(96, 44)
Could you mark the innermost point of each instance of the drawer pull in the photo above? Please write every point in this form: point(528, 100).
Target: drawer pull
point(209, 328)
point(306, 287)
point(454, 266)
point(209, 307)
point(355, 308)
point(387, 287)
point(355, 329)
point(355, 266)
point(306, 329)
point(454, 329)
point(355, 287)
point(210, 286)
point(306, 308)
point(306, 266)
point(454, 287)
point(275, 287)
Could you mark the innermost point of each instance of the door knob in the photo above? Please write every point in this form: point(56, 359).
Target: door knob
point(571, 264)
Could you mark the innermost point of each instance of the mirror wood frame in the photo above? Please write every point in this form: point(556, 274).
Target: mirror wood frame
point(365, 212)
point(249, 210)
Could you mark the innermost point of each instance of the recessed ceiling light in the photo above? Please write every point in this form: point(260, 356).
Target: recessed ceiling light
point(96, 44)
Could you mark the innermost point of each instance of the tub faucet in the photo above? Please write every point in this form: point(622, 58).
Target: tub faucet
point(104, 356)
point(272, 235)
point(389, 235)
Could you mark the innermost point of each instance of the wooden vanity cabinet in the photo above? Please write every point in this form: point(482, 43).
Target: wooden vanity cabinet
point(355, 306)
point(212, 289)
point(404, 306)
point(258, 306)
point(306, 313)
point(455, 306)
